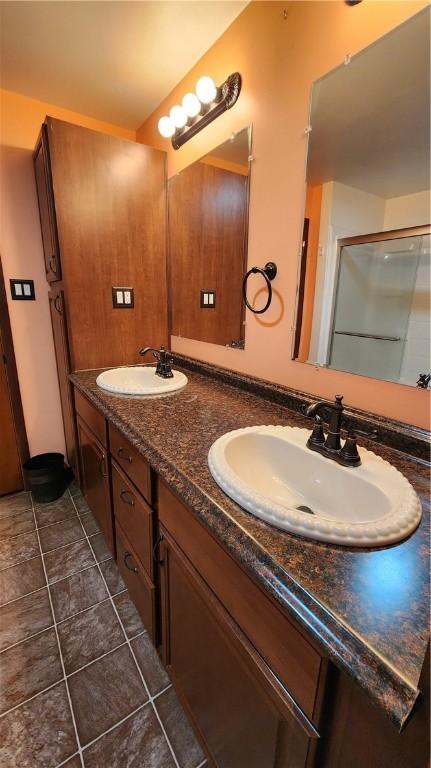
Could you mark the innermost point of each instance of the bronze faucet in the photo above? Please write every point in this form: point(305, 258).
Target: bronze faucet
point(329, 445)
point(164, 361)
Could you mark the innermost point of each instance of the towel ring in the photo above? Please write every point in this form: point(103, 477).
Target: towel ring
point(269, 271)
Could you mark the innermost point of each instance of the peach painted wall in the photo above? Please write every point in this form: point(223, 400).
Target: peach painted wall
point(279, 59)
point(22, 256)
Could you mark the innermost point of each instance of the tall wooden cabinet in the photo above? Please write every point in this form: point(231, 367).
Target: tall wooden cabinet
point(102, 204)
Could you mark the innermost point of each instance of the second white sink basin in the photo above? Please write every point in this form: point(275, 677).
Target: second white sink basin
point(270, 472)
point(139, 380)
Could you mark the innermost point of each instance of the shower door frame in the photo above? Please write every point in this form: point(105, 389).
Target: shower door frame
point(374, 237)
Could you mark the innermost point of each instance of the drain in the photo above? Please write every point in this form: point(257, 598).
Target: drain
point(303, 508)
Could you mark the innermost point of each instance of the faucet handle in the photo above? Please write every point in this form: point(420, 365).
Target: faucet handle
point(317, 436)
point(339, 399)
point(349, 455)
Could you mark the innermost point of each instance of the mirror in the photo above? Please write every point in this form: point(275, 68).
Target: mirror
point(208, 227)
point(364, 278)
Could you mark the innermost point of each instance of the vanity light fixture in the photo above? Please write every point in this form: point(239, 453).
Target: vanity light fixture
point(199, 109)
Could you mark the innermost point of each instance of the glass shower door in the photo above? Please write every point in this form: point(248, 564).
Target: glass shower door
point(375, 294)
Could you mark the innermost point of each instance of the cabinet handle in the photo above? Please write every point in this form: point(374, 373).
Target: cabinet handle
point(155, 549)
point(129, 568)
point(53, 265)
point(102, 466)
point(120, 452)
point(127, 498)
point(58, 307)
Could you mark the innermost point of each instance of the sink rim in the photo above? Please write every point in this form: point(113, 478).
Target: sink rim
point(164, 386)
point(393, 527)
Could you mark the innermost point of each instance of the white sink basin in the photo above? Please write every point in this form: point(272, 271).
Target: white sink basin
point(139, 380)
point(270, 472)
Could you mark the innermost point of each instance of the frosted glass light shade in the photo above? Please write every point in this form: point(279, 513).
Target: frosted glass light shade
point(178, 116)
point(166, 127)
point(206, 90)
point(191, 105)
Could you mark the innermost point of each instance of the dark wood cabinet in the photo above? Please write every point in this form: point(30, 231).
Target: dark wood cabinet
point(61, 345)
point(141, 588)
point(48, 223)
point(219, 676)
point(95, 481)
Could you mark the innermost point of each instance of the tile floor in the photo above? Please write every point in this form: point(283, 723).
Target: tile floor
point(80, 682)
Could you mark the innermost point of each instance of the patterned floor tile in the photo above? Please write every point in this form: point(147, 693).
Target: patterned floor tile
point(60, 534)
point(68, 560)
point(29, 668)
point(136, 743)
point(91, 634)
point(17, 502)
point(14, 551)
point(24, 617)
point(112, 576)
point(47, 514)
point(151, 667)
point(21, 579)
point(128, 614)
point(77, 592)
point(100, 547)
point(39, 733)
point(179, 731)
point(20, 522)
point(105, 692)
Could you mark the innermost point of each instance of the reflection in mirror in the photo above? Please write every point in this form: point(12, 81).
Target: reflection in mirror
point(364, 278)
point(208, 218)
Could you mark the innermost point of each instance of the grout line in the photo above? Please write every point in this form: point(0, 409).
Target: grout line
point(112, 727)
point(156, 695)
point(30, 698)
point(21, 561)
point(83, 610)
point(74, 754)
point(62, 546)
point(151, 698)
point(93, 661)
point(59, 649)
point(24, 639)
point(4, 539)
point(201, 765)
point(27, 594)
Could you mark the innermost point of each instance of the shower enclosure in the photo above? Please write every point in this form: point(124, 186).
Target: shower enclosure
point(380, 325)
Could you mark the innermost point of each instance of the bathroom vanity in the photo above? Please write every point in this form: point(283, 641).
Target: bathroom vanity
point(285, 652)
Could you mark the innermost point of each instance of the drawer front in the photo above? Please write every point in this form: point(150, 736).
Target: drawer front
point(291, 657)
point(135, 517)
point(92, 417)
point(141, 589)
point(131, 462)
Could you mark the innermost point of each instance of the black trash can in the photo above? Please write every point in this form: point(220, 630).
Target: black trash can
point(45, 476)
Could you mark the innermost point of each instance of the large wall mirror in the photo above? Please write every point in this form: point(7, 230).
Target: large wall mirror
point(364, 279)
point(208, 227)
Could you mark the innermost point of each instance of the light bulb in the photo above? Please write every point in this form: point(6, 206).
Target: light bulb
point(191, 105)
point(206, 90)
point(178, 116)
point(166, 127)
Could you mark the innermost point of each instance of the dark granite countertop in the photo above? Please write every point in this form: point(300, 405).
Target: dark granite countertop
point(367, 609)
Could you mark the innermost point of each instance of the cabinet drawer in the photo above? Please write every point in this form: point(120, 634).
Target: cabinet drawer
point(92, 417)
point(294, 661)
point(135, 517)
point(131, 462)
point(141, 589)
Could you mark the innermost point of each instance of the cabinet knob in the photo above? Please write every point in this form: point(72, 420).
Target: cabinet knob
point(127, 498)
point(129, 567)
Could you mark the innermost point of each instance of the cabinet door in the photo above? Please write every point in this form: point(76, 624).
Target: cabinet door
point(59, 330)
point(219, 686)
point(95, 480)
point(45, 196)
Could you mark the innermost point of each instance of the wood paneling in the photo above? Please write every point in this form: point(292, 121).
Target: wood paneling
point(207, 243)
point(131, 462)
point(110, 202)
point(291, 657)
point(10, 465)
point(61, 346)
point(95, 480)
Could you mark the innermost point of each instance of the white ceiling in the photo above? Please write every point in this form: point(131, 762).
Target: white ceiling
point(371, 118)
point(115, 61)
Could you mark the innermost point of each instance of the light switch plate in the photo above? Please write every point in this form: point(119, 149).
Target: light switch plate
point(22, 290)
point(122, 297)
point(208, 298)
